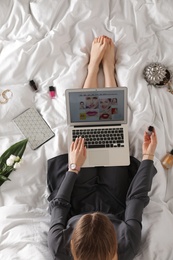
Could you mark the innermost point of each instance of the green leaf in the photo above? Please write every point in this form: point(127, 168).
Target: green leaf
point(16, 149)
point(3, 178)
point(8, 170)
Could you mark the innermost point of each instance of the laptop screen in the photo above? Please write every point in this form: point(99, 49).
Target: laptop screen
point(97, 106)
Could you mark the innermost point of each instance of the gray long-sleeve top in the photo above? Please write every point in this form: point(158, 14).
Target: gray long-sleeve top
point(128, 230)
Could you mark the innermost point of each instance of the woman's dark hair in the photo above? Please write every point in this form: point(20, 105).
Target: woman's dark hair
point(94, 238)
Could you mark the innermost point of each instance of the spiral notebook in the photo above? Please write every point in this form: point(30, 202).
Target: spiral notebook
point(34, 127)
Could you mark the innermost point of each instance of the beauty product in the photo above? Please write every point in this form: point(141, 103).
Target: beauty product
point(157, 75)
point(52, 91)
point(150, 130)
point(167, 161)
point(6, 95)
point(33, 85)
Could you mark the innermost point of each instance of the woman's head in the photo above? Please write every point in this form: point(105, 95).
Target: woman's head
point(94, 238)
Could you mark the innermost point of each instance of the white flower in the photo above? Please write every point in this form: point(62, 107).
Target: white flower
point(21, 161)
point(9, 162)
point(17, 165)
point(17, 159)
point(14, 158)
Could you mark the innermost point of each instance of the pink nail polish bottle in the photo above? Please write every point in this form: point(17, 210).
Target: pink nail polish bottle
point(52, 92)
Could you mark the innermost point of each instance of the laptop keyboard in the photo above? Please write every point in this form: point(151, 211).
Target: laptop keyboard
point(101, 137)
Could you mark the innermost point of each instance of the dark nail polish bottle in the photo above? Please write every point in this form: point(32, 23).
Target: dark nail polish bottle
point(150, 130)
point(33, 85)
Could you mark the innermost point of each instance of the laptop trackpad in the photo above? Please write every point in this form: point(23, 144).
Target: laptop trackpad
point(98, 158)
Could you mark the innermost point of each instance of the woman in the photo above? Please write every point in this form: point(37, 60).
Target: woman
point(77, 231)
point(96, 213)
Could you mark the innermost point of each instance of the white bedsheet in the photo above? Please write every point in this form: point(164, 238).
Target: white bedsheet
point(50, 41)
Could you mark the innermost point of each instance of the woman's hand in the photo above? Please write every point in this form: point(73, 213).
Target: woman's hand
point(149, 145)
point(77, 152)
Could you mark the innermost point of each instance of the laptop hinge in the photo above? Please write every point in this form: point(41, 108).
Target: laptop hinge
point(95, 125)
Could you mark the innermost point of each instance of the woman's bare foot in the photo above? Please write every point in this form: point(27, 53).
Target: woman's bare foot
point(108, 63)
point(109, 55)
point(98, 49)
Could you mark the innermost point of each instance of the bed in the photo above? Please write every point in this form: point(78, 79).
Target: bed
point(49, 42)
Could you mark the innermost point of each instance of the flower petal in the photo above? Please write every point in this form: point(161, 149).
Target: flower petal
point(12, 157)
point(16, 165)
point(17, 159)
point(9, 162)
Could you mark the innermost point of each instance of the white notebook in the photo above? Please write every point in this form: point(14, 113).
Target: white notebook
point(34, 127)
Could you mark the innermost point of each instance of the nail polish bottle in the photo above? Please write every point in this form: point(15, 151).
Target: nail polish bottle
point(150, 130)
point(52, 91)
point(33, 85)
point(167, 161)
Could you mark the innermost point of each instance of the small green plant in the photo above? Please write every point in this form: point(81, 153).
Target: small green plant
point(11, 160)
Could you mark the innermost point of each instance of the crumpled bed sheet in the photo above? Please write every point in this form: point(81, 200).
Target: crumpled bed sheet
point(50, 42)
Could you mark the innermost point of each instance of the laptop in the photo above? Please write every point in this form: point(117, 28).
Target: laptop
point(99, 116)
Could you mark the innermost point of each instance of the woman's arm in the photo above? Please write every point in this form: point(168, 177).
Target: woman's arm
point(137, 196)
point(59, 209)
point(60, 205)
